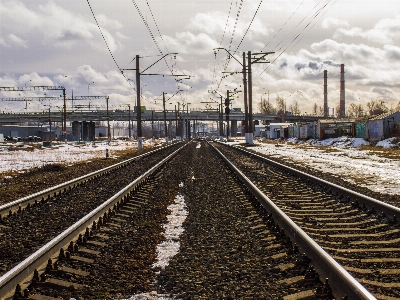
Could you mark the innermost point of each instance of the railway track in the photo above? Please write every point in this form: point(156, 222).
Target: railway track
point(232, 247)
point(360, 233)
point(30, 222)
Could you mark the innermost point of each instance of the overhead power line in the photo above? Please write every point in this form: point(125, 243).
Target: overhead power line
point(283, 25)
point(251, 22)
point(154, 20)
point(236, 22)
point(315, 15)
point(230, 43)
point(105, 41)
point(151, 33)
point(226, 24)
point(147, 26)
point(291, 31)
point(102, 35)
point(312, 26)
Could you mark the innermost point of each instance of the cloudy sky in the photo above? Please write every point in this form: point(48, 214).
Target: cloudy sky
point(83, 45)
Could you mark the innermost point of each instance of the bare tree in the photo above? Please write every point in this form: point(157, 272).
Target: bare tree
point(294, 108)
point(337, 113)
point(321, 110)
point(266, 107)
point(355, 110)
point(398, 106)
point(376, 107)
point(315, 109)
point(280, 105)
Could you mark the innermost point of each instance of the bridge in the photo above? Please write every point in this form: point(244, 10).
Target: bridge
point(147, 115)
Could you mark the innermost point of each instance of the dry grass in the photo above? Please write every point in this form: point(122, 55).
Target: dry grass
point(382, 152)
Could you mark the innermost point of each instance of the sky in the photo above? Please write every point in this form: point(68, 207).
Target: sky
point(85, 45)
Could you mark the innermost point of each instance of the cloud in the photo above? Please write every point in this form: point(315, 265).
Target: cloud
point(386, 31)
point(12, 40)
point(332, 50)
point(392, 52)
point(384, 93)
point(215, 25)
point(334, 23)
point(3, 43)
point(188, 42)
point(212, 23)
point(50, 25)
point(121, 36)
point(106, 22)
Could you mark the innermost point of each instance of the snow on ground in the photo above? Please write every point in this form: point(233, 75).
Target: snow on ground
point(173, 229)
point(29, 157)
point(344, 159)
point(170, 247)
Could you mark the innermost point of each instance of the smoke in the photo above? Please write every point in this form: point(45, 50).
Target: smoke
point(331, 63)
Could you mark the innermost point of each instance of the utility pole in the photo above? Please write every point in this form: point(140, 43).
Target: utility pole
point(65, 117)
point(108, 123)
point(257, 58)
point(227, 111)
point(152, 124)
point(138, 107)
point(221, 119)
point(50, 123)
point(246, 111)
point(176, 122)
point(129, 121)
point(165, 119)
point(250, 91)
point(220, 114)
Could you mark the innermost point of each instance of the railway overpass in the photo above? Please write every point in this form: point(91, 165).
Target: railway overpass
point(147, 115)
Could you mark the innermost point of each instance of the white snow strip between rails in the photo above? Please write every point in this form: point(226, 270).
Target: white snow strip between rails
point(173, 229)
point(170, 247)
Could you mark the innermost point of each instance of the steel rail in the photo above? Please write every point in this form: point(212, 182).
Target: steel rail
point(379, 206)
point(21, 203)
point(23, 271)
point(342, 283)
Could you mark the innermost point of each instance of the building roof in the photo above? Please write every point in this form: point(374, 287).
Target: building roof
point(336, 121)
point(280, 124)
point(384, 115)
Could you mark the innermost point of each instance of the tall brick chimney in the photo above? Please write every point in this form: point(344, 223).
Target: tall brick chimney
point(342, 112)
point(326, 110)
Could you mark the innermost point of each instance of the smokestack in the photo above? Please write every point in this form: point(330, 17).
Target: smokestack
point(342, 113)
point(326, 112)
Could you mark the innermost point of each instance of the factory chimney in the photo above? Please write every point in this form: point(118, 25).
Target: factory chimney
point(326, 111)
point(342, 112)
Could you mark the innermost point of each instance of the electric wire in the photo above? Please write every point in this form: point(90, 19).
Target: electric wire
point(295, 28)
point(152, 35)
point(105, 41)
point(147, 26)
point(312, 25)
point(154, 20)
point(226, 24)
point(222, 39)
point(316, 14)
point(231, 40)
point(251, 22)
point(236, 22)
point(283, 25)
point(278, 30)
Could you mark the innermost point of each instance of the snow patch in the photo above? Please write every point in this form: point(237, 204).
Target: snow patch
point(173, 229)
